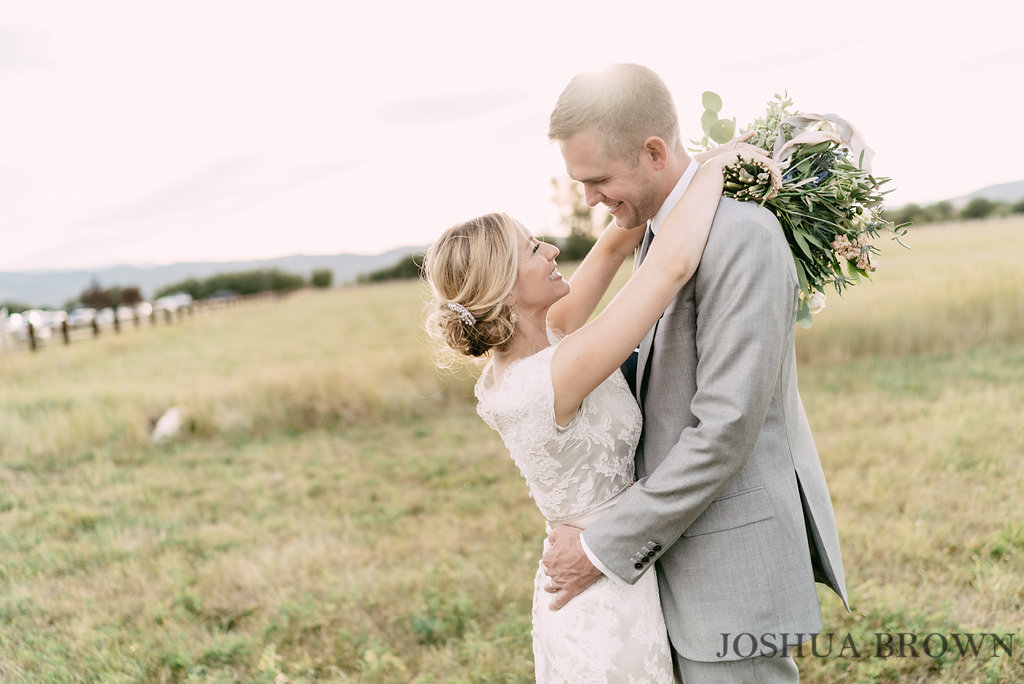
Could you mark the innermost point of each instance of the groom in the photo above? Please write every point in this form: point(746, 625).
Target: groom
point(730, 507)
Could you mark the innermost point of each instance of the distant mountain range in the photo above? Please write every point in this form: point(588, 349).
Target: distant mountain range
point(1004, 192)
point(51, 289)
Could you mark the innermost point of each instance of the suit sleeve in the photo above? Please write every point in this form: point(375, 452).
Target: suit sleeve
point(746, 297)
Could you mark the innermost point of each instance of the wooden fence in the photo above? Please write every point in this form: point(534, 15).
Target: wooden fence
point(34, 338)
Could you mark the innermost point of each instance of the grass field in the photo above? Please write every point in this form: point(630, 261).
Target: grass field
point(337, 512)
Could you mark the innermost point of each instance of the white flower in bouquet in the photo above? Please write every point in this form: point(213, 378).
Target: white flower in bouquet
point(816, 302)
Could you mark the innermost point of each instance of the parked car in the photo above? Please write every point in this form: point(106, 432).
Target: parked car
point(172, 302)
point(43, 322)
point(16, 325)
point(81, 316)
point(105, 316)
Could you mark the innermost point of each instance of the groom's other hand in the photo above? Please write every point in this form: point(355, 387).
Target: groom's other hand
point(567, 565)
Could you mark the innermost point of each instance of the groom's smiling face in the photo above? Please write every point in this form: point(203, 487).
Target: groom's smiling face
point(625, 186)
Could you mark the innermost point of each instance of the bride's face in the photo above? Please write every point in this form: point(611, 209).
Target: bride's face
point(538, 283)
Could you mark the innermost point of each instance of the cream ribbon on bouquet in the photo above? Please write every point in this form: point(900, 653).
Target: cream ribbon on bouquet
point(833, 127)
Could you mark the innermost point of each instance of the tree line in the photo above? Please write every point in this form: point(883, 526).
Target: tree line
point(237, 283)
point(977, 208)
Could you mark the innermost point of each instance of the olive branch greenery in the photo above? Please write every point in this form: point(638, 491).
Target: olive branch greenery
point(829, 204)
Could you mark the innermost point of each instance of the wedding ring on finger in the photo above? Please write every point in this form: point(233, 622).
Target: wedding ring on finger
point(550, 584)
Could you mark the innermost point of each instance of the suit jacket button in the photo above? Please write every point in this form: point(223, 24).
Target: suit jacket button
point(650, 554)
point(657, 547)
point(638, 566)
point(646, 559)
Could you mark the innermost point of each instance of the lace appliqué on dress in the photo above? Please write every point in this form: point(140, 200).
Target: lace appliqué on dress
point(569, 470)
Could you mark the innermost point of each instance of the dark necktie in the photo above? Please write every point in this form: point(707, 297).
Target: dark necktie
point(646, 244)
point(629, 365)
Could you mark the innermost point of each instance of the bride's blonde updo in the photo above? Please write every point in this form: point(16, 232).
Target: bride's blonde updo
point(471, 270)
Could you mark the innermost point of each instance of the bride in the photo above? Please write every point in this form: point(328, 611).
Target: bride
point(553, 390)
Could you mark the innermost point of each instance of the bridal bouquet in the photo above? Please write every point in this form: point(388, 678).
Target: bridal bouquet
point(829, 204)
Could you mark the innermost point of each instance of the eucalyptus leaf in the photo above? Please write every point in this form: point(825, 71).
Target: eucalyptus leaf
point(711, 101)
point(798, 236)
point(801, 276)
point(856, 272)
point(707, 120)
point(817, 148)
point(803, 315)
point(723, 130)
point(815, 241)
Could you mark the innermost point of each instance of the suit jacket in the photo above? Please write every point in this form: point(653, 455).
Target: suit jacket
point(731, 500)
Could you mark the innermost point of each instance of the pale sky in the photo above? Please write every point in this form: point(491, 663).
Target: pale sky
point(148, 133)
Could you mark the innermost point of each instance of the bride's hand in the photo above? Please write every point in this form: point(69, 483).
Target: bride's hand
point(726, 154)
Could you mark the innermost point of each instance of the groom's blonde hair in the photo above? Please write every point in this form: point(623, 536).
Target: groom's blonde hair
point(624, 103)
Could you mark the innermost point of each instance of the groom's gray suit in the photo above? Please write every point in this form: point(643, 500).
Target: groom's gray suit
point(731, 500)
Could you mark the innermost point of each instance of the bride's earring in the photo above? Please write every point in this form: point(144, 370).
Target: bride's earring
point(513, 316)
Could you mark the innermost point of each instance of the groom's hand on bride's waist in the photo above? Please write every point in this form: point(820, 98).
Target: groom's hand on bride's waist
point(566, 565)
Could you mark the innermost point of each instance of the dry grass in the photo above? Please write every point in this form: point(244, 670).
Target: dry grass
point(339, 513)
point(961, 286)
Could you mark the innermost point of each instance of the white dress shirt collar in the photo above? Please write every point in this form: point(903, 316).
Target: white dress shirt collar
point(674, 196)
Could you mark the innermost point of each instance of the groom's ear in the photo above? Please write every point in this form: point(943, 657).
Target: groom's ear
point(656, 152)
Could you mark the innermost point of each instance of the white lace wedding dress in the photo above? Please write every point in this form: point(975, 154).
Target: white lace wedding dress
point(611, 632)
